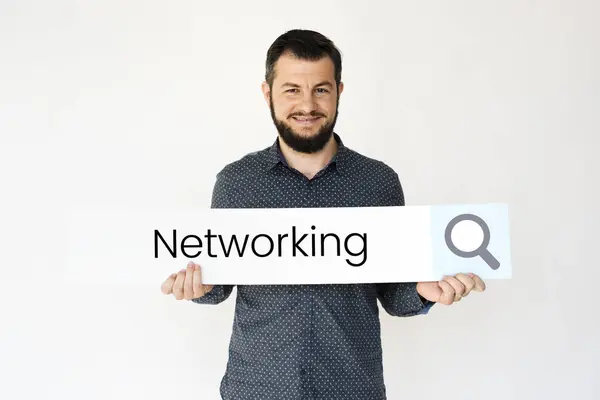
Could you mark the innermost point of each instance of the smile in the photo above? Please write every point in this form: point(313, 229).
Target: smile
point(305, 121)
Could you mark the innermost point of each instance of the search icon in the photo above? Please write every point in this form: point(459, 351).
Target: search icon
point(482, 250)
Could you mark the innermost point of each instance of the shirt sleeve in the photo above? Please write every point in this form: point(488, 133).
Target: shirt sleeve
point(220, 199)
point(401, 299)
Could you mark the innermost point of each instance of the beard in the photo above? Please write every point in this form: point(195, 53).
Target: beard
point(305, 144)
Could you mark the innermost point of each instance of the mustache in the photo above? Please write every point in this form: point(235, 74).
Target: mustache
point(312, 114)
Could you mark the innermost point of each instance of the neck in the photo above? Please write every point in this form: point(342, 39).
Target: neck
point(309, 164)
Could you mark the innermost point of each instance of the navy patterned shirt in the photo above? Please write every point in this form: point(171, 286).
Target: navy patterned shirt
point(294, 342)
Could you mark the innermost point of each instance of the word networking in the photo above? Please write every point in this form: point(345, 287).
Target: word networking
point(298, 244)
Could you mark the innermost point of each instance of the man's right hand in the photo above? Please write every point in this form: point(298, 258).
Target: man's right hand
point(186, 284)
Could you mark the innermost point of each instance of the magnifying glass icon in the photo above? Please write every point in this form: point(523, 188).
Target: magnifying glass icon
point(482, 250)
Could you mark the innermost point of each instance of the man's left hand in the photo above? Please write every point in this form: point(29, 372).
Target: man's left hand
point(451, 289)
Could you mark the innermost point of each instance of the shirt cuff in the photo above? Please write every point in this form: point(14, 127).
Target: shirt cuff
point(212, 297)
point(426, 305)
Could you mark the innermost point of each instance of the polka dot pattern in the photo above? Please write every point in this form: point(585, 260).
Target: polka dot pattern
point(309, 341)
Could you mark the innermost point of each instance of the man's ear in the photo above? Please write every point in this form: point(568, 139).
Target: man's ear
point(340, 88)
point(266, 91)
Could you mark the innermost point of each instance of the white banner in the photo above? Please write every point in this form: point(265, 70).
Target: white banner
point(289, 246)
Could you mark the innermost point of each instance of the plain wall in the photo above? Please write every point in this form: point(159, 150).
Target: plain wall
point(127, 103)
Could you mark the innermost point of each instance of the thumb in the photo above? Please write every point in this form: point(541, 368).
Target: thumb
point(167, 286)
point(429, 290)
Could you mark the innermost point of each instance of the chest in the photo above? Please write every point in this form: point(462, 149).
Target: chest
point(286, 189)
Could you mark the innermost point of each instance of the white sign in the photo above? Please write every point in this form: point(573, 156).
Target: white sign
point(289, 246)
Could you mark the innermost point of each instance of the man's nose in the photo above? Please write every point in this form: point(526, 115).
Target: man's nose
point(307, 103)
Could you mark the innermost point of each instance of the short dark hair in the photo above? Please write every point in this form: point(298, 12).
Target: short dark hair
point(306, 45)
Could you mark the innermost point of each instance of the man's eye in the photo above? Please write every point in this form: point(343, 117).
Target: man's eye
point(290, 90)
point(323, 90)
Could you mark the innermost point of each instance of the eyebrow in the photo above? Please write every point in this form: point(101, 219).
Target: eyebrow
point(324, 83)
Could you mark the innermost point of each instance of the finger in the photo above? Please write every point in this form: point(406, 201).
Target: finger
point(479, 284)
point(197, 285)
point(178, 285)
point(447, 296)
point(467, 281)
point(457, 285)
point(429, 290)
point(188, 289)
point(167, 286)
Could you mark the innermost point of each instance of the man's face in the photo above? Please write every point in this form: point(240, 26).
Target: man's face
point(304, 102)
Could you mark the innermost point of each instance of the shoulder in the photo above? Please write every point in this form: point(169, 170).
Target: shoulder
point(235, 178)
point(378, 170)
point(377, 178)
point(245, 164)
point(242, 167)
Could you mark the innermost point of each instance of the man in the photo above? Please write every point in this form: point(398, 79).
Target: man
point(309, 341)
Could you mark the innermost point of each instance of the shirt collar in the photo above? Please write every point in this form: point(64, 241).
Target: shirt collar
point(274, 156)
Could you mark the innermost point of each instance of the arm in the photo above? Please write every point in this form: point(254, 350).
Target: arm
point(220, 199)
point(401, 299)
point(218, 294)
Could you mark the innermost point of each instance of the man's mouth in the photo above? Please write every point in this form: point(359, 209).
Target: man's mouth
point(305, 120)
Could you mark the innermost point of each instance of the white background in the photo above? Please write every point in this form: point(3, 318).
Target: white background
point(140, 103)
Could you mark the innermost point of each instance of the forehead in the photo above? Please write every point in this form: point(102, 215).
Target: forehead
point(290, 69)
